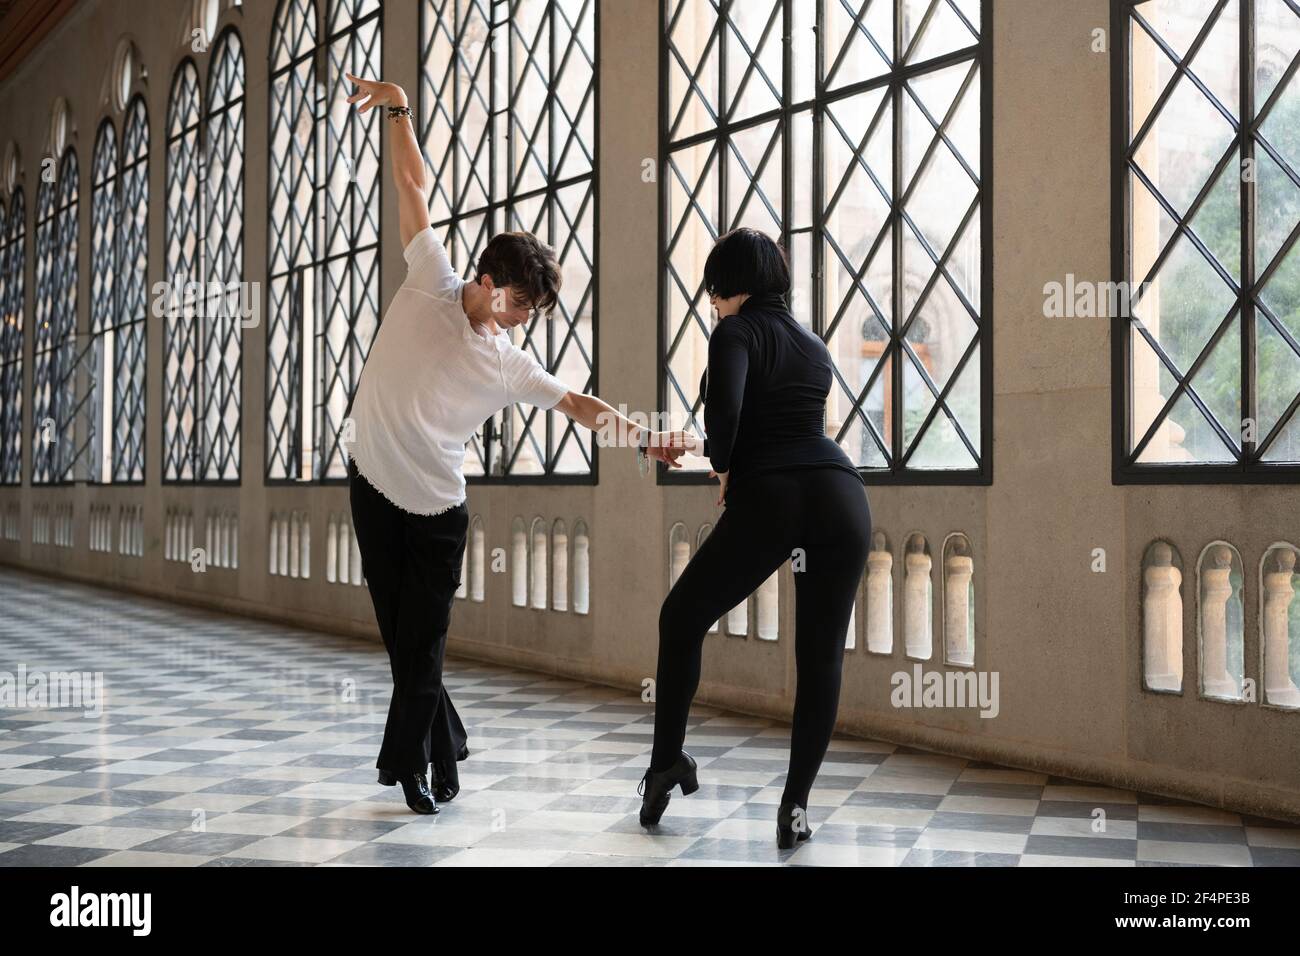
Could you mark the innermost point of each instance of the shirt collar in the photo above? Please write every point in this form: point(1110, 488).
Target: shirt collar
point(500, 340)
point(767, 302)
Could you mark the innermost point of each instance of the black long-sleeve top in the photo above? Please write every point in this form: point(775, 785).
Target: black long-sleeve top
point(765, 394)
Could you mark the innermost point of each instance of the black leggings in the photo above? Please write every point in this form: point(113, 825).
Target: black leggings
point(822, 511)
point(412, 565)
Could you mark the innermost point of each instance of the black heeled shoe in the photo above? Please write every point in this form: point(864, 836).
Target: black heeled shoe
point(791, 825)
point(656, 788)
point(414, 787)
point(444, 779)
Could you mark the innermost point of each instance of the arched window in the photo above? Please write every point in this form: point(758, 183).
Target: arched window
point(227, 300)
point(183, 240)
point(11, 172)
point(54, 435)
point(1207, 205)
point(104, 243)
point(322, 231)
point(119, 261)
point(13, 266)
point(208, 301)
point(507, 120)
point(128, 369)
point(122, 73)
point(204, 17)
point(57, 136)
point(887, 242)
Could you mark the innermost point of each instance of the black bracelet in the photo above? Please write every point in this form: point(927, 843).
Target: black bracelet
point(396, 111)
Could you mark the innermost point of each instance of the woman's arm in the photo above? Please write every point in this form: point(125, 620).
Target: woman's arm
point(409, 172)
point(592, 412)
point(728, 369)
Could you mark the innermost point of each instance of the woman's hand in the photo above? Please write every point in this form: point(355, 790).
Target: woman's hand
point(667, 447)
point(722, 485)
point(375, 93)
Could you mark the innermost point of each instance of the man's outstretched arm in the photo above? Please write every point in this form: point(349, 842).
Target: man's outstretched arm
point(601, 418)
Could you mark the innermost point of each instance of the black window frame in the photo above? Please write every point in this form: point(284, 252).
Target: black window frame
point(895, 81)
point(1245, 471)
point(59, 212)
point(13, 304)
point(210, 203)
point(540, 335)
point(122, 307)
point(327, 441)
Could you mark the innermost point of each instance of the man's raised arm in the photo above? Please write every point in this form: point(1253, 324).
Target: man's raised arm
point(409, 172)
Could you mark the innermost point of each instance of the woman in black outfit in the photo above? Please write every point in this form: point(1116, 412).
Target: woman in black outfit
point(786, 486)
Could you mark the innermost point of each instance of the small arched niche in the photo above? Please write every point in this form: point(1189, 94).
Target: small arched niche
point(700, 537)
point(958, 601)
point(918, 603)
point(559, 566)
point(1220, 621)
point(581, 568)
point(880, 596)
point(518, 563)
point(1279, 626)
point(538, 566)
point(1162, 618)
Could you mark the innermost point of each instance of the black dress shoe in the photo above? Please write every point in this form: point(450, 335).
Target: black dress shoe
point(389, 779)
point(655, 788)
point(414, 787)
point(791, 825)
point(444, 780)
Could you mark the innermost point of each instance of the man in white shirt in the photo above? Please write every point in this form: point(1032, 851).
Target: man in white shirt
point(441, 364)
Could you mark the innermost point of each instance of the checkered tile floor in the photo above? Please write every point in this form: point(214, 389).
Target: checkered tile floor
point(230, 742)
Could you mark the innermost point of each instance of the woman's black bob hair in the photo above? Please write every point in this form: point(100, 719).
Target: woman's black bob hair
point(746, 261)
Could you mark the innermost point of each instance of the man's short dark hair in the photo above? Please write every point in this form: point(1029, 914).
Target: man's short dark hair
point(522, 262)
point(746, 261)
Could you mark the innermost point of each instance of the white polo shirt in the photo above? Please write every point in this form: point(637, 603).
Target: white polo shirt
point(430, 382)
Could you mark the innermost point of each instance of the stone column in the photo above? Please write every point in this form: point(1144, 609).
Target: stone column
point(1162, 617)
point(917, 622)
point(957, 571)
point(1216, 588)
point(1279, 592)
point(880, 596)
